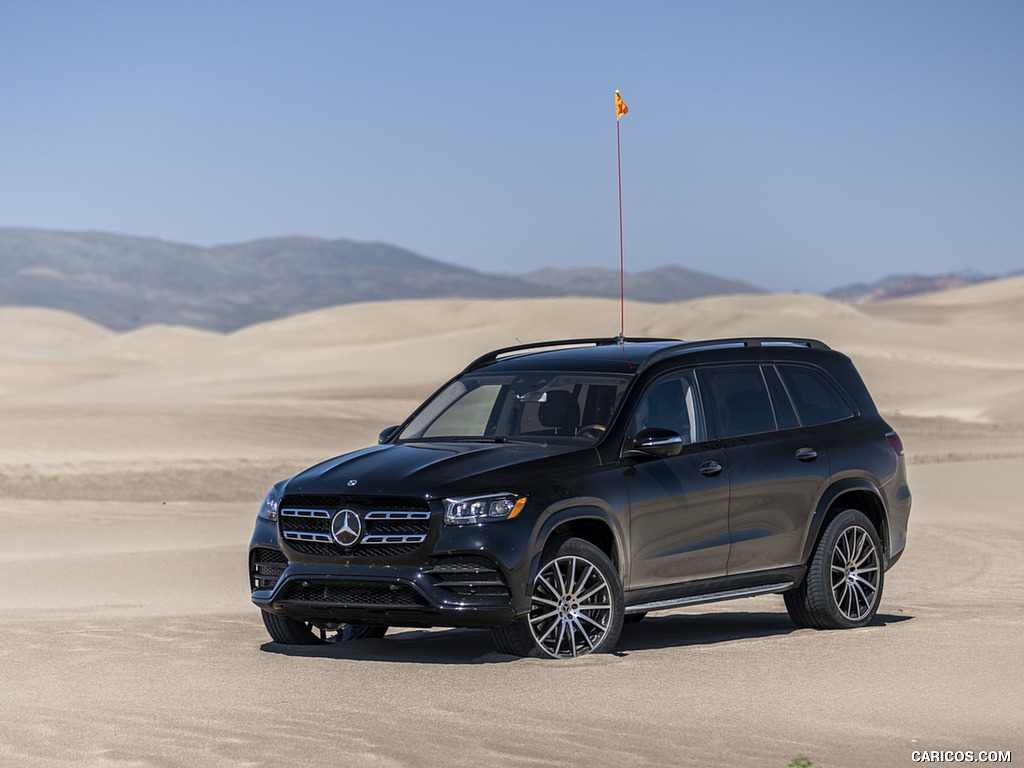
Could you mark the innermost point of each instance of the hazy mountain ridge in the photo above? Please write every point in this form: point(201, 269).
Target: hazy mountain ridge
point(124, 282)
point(664, 284)
point(900, 286)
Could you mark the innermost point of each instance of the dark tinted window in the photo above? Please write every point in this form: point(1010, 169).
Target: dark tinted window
point(742, 406)
point(784, 413)
point(816, 399)
point(529, 405)
point(671, 402)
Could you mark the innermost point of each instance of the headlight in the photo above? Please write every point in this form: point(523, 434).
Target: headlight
point(271, 503)
point(482, 509)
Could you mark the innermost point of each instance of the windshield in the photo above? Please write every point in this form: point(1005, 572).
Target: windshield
point(540, 406)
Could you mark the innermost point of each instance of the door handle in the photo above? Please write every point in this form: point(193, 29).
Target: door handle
point(710, 468)
point(806, 454)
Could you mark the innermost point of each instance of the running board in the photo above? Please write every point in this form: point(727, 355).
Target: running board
point(710, 597)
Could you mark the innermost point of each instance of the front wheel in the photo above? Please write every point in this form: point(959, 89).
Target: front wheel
point(577, 606)
point(844, 580)
point(289, 631)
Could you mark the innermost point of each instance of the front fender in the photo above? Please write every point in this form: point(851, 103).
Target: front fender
point(584, 513)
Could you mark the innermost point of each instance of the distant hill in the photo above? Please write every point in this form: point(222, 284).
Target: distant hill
point(901, 286)
point(672, 283)
point(124, 282)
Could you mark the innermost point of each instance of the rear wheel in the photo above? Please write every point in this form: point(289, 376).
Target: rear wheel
point(289, 631)
point(577, 606)
point(844, 580)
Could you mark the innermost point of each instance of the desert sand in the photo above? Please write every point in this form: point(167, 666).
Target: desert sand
point(131, 466)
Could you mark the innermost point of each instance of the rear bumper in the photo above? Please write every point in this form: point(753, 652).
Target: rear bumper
point(898, 500)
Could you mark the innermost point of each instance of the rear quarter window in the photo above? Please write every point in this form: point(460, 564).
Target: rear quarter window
point(815, 398)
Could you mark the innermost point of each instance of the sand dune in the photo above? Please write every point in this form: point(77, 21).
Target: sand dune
point(33, 327)
point(960, 370)
point(131, 464)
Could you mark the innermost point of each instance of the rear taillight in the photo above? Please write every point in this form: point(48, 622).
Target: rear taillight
point(895, 443)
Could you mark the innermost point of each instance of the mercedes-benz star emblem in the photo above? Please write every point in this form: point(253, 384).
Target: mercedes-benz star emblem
point(351, 483)
point(346, 528)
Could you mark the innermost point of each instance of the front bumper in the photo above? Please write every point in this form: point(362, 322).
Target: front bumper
point(445, 583)
point(454, 592)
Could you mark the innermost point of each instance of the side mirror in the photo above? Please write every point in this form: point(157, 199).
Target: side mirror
point(654, 441)
point(387, 433)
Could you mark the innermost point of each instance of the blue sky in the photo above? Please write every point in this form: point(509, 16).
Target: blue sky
point(796, 145)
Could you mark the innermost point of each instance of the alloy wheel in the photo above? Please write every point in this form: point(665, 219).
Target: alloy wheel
point(572, 607)
point(855, 573)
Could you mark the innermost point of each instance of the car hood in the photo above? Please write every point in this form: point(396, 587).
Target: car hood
point(435, 470)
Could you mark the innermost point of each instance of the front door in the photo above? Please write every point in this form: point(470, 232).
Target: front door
point(679, 505)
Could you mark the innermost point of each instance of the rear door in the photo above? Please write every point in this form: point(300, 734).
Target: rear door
point(777, 468)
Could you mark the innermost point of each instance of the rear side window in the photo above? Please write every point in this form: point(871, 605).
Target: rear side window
point(784, 412)
point(815, 397)
point(742, 405)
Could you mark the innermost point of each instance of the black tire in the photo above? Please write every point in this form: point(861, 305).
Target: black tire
point(577, 606)
point(289, 631)
point(844, 581)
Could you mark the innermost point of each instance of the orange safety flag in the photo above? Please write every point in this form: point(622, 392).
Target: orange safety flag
point(620, 106)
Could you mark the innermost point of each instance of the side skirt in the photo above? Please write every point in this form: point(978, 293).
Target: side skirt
point(713, 590)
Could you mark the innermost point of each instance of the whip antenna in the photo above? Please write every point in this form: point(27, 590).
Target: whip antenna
point(620, 110)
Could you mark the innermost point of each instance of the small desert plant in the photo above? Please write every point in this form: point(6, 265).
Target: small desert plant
point(800, 761)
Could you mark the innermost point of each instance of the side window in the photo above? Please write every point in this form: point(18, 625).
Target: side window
point(741, 402)
point(784, 413)
point(816, 399)
point(671, 402)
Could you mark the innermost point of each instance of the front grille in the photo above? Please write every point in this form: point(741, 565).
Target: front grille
point(265, 567)
point(354, 594)
point(392, 526)
point(469, 578)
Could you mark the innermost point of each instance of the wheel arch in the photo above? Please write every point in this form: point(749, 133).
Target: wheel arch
point(851, 493)
point(591, 524)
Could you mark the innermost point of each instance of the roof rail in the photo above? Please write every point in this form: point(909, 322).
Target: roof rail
point(491, 357)
point(736, 343)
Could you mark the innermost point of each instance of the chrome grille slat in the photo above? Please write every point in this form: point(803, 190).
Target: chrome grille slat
point(394, 538)
point(323, 514)
point(394, 515)
point(306, 536)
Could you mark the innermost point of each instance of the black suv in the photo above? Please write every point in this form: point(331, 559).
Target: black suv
point(551, 492)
